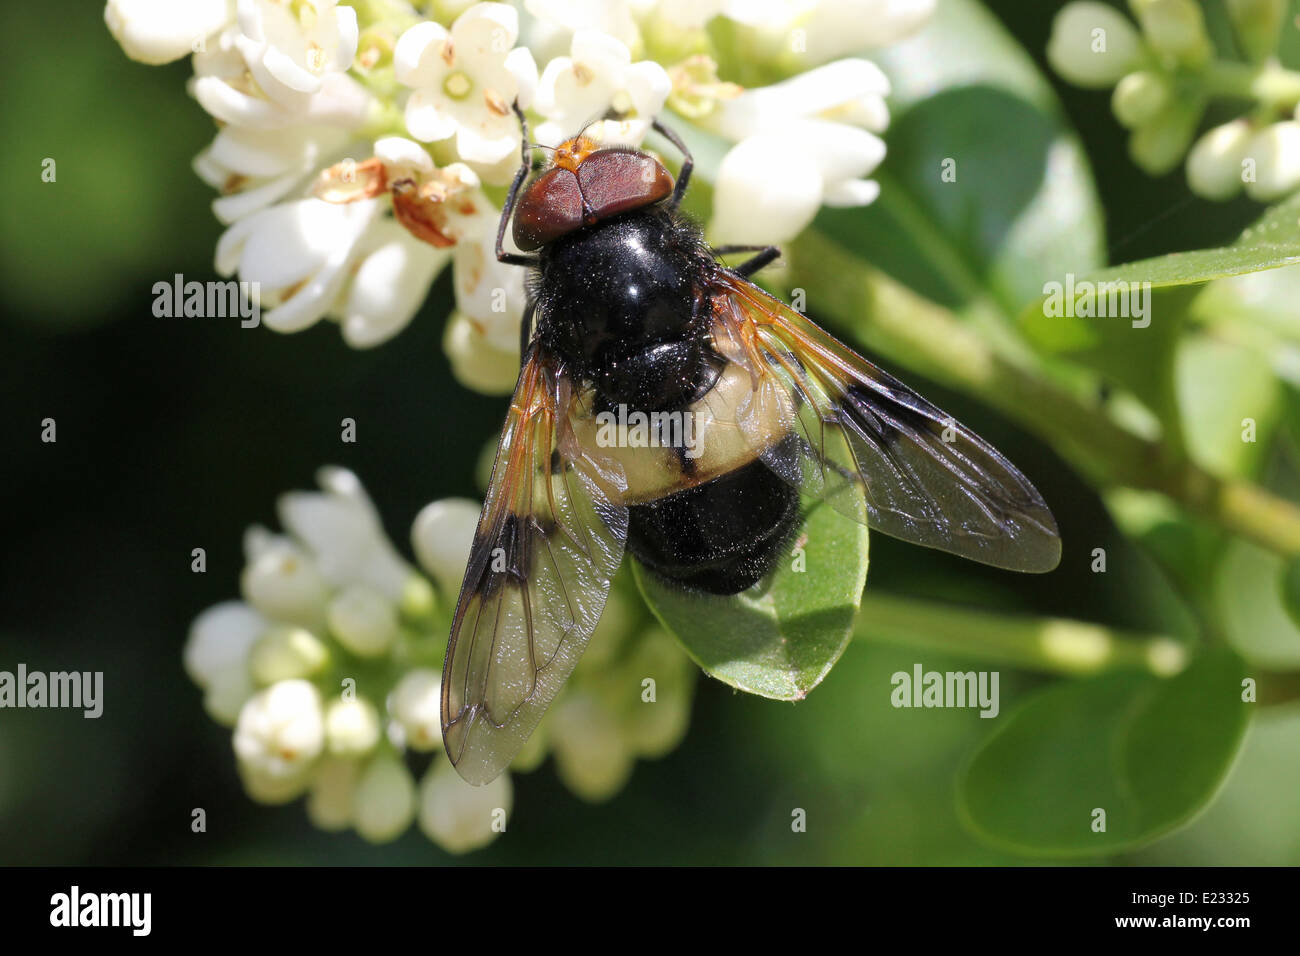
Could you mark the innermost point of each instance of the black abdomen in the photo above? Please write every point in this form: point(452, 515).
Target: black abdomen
point(722, 536)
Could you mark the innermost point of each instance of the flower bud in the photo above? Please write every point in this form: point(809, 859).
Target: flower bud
point(363, 620)
point(1175, 28)
point(416, 704)
point(441, 537)
point(384, 801)
point(1159, 146)
point(220, 640)
point(1276, 152)
point(286, 653)
point(351, 727)
point(283, 583)
point(1257, 24)
point(1214, 164)
point(331, 801)
point(226, 694)
point(1139, 97)
point(1092, 44)
point(458, 817)
point(476, 362)
point(280, 731)
point(591, 756)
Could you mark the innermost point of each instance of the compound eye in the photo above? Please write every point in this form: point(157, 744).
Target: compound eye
point(551, 207)
point(614, 181)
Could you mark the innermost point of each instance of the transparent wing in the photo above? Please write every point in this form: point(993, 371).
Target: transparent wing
point(873, 448)
point(546, 548)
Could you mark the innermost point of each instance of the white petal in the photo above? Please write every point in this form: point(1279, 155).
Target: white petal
point(441, 536)
point(488, 29)
point(159, 31)
point(409, 54)
point(764, 195)
point(403, 153)
point(486, 146)
point(523, 68)
point(220, 638)
point(389, 287)
point(426, 119)
point(648, 85)
point(852, 192)
point(1276, 151)
point(348, 37)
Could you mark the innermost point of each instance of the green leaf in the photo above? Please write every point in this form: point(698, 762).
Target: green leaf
point(968, 211)
point(1149, 752)
point(1230, 403)
point(781, 637)
point(1271, 242)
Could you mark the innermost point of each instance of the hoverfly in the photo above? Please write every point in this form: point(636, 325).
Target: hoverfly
point(629, 308)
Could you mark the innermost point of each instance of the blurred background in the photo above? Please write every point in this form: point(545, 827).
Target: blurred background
point(178, 433)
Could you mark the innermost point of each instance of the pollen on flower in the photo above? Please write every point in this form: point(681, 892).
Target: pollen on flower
point(350, 181)
point(495, 103)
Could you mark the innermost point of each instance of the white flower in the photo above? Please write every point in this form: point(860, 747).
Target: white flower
point(822, 30)
point(363, 620)
point(159, 31)
point(441, 537)
point(224, 86)
point(1276, 152)
point(330, 804)
point(1092, 44)
point(767, 194)
point(281, 731)
point(216, 657)
point(416, 705)
point(286, 653)
point(345, 534)
point(803, 143)
point(281, 580)
point(458, 817)
point(1214, 163)
point(289, 48)
point(464, 80)
point(351, 727)
point(253, 168)
point(598, 75)
point(384, 800)
point(300, 253)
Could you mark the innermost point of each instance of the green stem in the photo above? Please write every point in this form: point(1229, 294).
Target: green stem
point(1051, 645)
point(888, 318)
point(1270, 83)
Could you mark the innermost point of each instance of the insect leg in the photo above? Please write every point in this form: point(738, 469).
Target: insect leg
point(766, 256)
point(525, 164)
point(688, 163)
point(526, 328)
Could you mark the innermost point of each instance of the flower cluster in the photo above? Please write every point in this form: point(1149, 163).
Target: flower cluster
point(362, 149)
point(1165, 72)
point(329, 672)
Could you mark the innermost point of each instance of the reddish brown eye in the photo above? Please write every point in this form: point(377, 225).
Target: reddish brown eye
point(550, 208)
point(614, 181)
